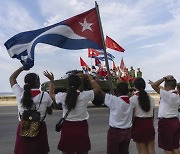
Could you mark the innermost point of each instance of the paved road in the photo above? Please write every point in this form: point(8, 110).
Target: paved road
point(98, 125)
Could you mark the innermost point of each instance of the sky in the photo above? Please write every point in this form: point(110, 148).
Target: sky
point(148, 30)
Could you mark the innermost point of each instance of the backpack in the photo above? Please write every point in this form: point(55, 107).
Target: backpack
point(30, 122)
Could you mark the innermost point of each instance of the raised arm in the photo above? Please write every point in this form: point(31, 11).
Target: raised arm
point(94, 85)
point(50, 76)
point(156, 85)
point(14, 76)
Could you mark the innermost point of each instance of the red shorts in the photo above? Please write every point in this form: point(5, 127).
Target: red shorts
point(74, 137)
point(168, 133)
point(118, 140)
point(35, 145)
point(143, 129)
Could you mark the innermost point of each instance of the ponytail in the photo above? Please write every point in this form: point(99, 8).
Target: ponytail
point(74, 82)
point(31, 81)
point(143, 99)
point(71, 98)
point(26, 99)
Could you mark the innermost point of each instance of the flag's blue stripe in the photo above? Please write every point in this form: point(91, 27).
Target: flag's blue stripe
point(28, 36)
point(103, 59)
point(65, 43)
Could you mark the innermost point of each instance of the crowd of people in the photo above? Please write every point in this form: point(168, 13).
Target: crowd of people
point(130, 117)
point(119, 73)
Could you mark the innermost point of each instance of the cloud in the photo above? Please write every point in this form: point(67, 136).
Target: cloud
point(152, 45)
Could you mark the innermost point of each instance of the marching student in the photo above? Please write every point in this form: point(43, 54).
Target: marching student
point(178, 91)
point(168, 124)
point(120, 120)
point(29, 97)
point(74, 134)
point(178, 88)
point(143, 132)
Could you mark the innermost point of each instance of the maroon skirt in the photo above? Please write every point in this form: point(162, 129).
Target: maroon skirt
point(168, 133)
point(34, 145)
point(74, 137)
point(143, 129)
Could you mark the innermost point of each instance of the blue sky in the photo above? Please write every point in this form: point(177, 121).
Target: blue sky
point(148, 30)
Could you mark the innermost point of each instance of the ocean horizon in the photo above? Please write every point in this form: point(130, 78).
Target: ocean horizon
point(7, 94)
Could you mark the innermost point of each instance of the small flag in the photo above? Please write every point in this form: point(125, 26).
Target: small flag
point(114, 66)
point(122, 65)
point(97, 61)
point(110, 43)
point(98, 53)
point(82, 63)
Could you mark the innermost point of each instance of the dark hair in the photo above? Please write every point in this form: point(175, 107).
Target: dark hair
point(171, 83)
point(74, 82)
point(143, 98)
point(31, 81)
point(178, 86)
point(122, 88)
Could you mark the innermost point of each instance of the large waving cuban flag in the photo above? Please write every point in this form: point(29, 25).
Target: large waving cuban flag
point(79, 32)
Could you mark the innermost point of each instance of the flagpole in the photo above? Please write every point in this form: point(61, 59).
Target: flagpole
point(104, 49)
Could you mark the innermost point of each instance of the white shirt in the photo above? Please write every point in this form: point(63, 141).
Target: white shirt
point(138, 111)
point(169, 103)
point(80, 111)
point(46, 101)
point(120, 112)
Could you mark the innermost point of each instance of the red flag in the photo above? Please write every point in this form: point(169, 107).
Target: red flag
point(97, 61)
point(82, 63)
point(92, 52)
point(110, 43)
point(122, 66)
point(114, 66)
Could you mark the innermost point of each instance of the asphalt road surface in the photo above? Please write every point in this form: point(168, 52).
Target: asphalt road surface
point(98, 126)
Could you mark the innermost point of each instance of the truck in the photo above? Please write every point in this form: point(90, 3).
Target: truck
point(60, 85)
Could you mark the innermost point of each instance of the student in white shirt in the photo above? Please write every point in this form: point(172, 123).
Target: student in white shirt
point(74, 134)
point(29, 98)
point(178, 91)
point(168, 125)
point(143, 132)
point(120, 120)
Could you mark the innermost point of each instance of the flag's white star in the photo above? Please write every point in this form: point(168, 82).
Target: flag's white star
point(86, 25)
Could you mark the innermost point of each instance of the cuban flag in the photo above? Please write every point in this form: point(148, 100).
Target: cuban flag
point(92, 53)
point(78, 32)
point(102, 58)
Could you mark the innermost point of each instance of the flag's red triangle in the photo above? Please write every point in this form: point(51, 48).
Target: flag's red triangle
point(93, 53)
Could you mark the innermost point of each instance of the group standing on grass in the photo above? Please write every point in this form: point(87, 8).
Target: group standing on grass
point(129, 117)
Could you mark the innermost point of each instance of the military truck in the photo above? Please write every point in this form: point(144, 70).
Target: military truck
point(60, 85)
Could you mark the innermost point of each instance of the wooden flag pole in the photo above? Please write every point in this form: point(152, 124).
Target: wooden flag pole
point(104, 49)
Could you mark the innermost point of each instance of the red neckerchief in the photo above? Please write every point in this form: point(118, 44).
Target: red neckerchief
point(35, 92)
point(137, 93)
point(125, 98)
